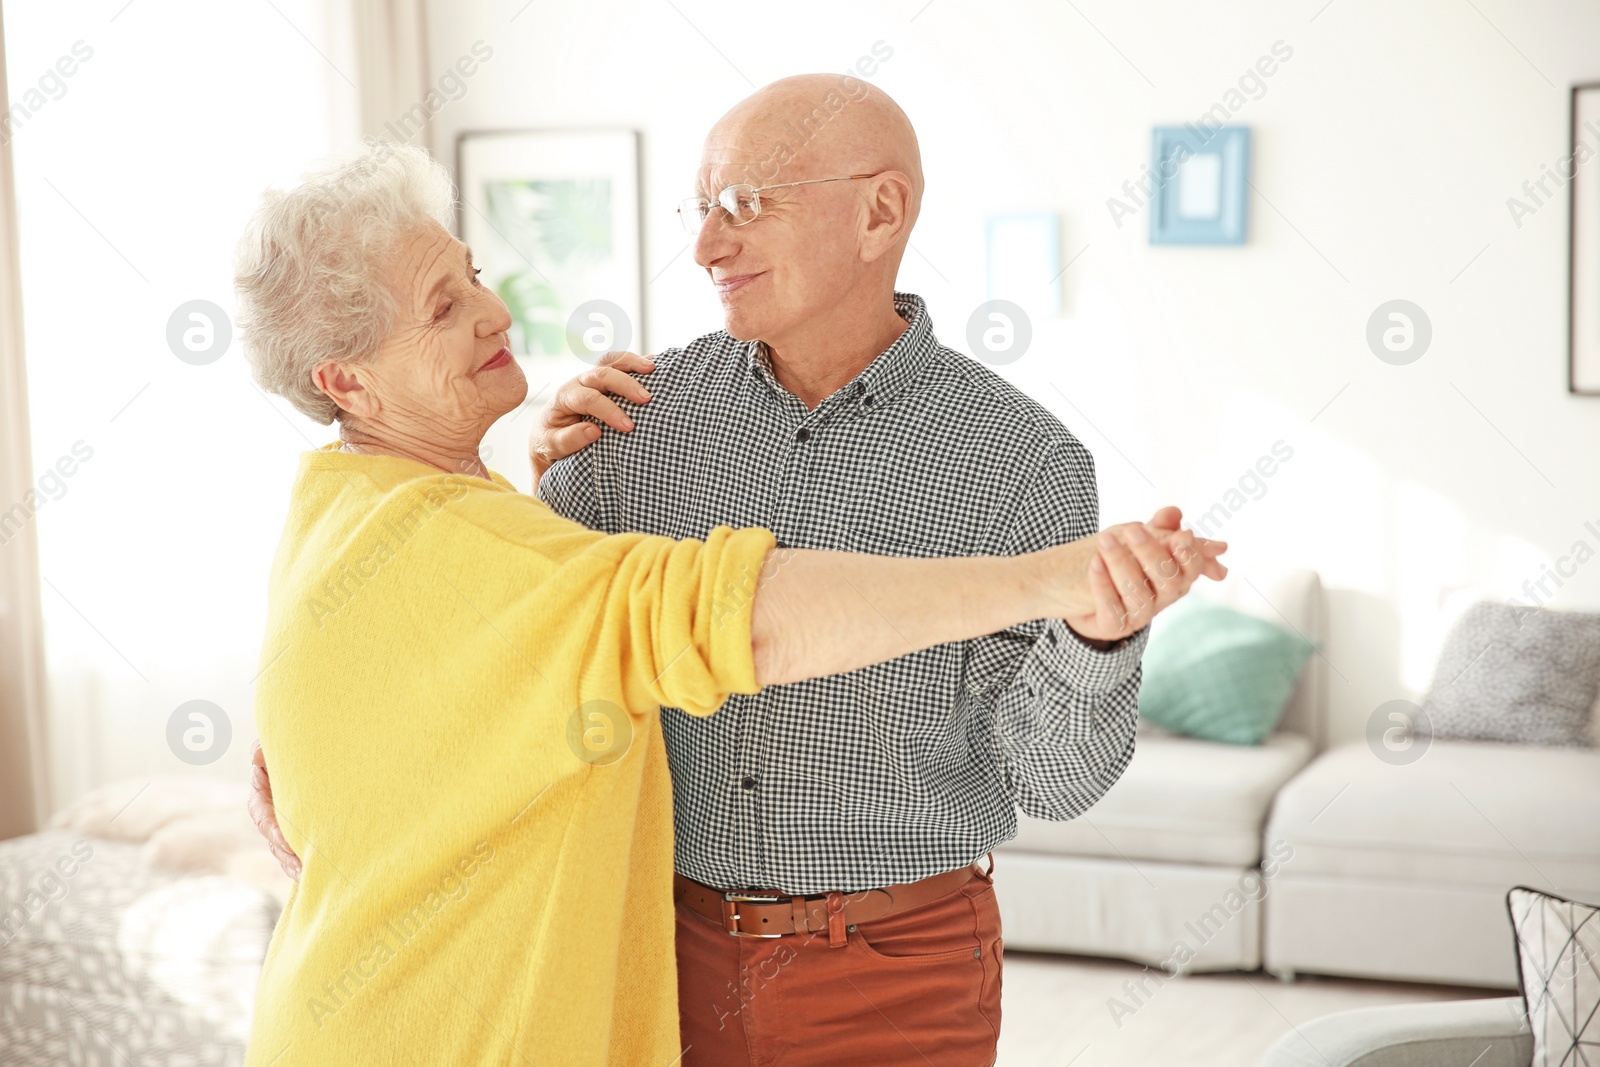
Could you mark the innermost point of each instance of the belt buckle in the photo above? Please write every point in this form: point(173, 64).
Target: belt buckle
point(730, 918)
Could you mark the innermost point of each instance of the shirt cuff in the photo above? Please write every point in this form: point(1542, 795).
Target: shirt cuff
point(1089, 670)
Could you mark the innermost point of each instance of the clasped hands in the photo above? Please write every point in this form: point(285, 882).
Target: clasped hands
point(1134, 570)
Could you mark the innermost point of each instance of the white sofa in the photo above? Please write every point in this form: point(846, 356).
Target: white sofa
point(1171, 853)
point(1401, 871)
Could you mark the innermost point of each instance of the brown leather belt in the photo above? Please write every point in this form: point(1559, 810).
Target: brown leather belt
point(774, 914)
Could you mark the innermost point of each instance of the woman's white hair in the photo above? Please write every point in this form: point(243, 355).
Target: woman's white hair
point(310, 267)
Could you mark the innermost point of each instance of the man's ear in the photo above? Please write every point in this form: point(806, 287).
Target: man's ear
point(342, 382)
point(888, 208)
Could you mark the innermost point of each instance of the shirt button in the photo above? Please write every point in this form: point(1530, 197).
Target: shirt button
point(1051, 634)
point(748, 782)
point(803, 434)
point(868, 400)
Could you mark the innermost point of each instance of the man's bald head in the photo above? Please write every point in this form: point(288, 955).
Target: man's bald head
point(812, 247)
point(816, 126)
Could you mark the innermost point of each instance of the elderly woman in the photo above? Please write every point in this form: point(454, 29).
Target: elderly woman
point(460, 689)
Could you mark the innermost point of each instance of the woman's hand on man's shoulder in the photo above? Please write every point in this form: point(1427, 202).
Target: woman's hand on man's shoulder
point(566, 424)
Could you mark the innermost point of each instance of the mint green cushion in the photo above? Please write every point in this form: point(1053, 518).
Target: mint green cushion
point(1219, 674)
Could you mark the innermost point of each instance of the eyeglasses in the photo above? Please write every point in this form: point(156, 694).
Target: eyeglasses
point(741, 202)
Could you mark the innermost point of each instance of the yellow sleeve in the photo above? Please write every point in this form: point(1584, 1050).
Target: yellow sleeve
point(670, 618)
point(682, 610)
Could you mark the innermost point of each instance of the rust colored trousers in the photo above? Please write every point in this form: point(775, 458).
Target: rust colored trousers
point(919, 987)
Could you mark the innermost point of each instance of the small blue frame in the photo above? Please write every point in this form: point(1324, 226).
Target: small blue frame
point(1175, 145)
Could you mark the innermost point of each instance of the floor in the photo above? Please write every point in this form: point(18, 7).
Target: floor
point(1058, 1012)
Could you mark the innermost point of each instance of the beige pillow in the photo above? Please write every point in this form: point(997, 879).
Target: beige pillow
point(191, 825)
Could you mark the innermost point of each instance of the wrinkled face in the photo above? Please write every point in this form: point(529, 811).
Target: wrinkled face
point(796, 260)
point(446, 367)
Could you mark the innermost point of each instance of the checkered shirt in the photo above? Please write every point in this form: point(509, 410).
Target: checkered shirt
point(912, 767)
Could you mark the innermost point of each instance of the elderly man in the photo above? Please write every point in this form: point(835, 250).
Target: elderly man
point(828, 411)
point(830, 904)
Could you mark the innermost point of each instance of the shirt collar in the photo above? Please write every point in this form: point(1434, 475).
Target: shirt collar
point(891, 371)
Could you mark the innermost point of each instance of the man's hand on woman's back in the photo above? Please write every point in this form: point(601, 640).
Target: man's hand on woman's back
point(265, 815)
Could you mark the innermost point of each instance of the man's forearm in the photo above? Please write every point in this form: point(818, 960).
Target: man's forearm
point(819, 613)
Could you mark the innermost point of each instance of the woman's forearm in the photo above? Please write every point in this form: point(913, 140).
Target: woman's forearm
point(819, 613)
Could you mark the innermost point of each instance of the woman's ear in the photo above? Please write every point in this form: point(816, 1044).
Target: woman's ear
point(344, 387)
point(888, 205)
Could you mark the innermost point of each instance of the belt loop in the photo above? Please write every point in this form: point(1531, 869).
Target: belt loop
point(990, 871)
point(836, 935)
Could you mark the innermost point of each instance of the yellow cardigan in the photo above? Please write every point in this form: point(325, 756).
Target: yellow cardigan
point(459, 705)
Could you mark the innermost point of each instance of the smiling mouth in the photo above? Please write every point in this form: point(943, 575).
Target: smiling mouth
point(501, 358)
point(737, 281)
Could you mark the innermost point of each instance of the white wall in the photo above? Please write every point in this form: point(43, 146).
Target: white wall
point(1385, 149)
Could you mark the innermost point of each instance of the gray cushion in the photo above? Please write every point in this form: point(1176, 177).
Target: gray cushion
point(1558, 958)
point(1526, 676)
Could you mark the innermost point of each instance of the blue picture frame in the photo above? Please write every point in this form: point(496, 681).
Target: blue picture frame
point(1200, 185)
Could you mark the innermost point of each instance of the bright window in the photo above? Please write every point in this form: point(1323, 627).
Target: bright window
point(143, 136)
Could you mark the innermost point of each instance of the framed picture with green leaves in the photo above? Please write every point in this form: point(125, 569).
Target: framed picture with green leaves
point(552, 218)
